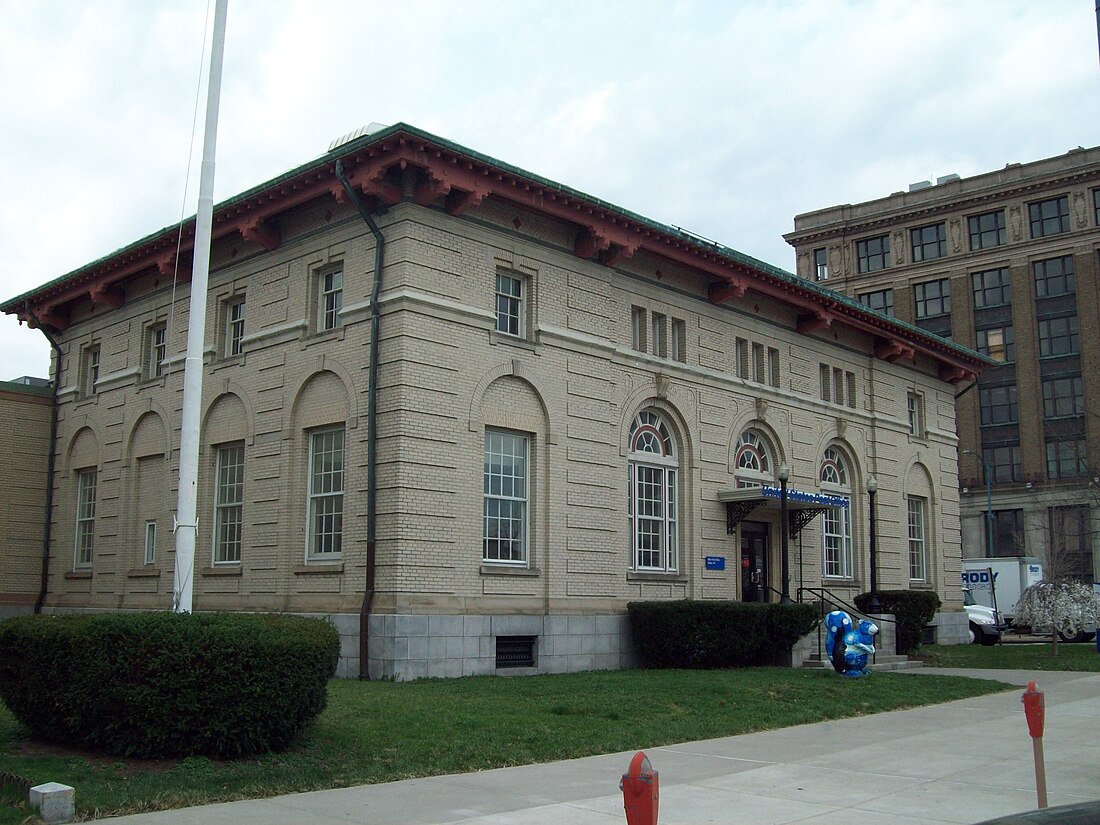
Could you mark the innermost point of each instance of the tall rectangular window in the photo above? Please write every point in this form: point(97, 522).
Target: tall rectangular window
point(155, 348)
point(1004, 462)
point(743, 359)
point(932, 298)
point(505, 490)
point(1058, 336)
point(825, 376)
point(89, 370)
point(999, 343)
point(657, 338)
point(228, 504)
point(1070, 544)
point(837, 536)
point(987, 230)
point(773, 366)
point(998, 405)
point(330, 299)
point(637, 329)
point(150, 555)
point(838, 385)
point(85, 517)
point(851, 380)
point(326, 493)
point(1096, 206)
point(1054, 276)
point(873, 253)
point(1008, 534)
point(928, 242)
point(1066, 458)
point(917, 531)
point(758, 363)
point(881, 300)
point(234, 327)
point(510, 305)
point(679, 340)
point(992, 288)
point(821, 265)
point(915, 409)
point(1063, 397)
point(1049, 217)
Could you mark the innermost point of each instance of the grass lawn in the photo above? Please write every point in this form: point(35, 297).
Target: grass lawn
point(382, 731)
point(1014, 656)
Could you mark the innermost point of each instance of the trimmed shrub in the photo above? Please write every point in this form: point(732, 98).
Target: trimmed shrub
point(912, 609)
point(165, 684)
point(713, 634)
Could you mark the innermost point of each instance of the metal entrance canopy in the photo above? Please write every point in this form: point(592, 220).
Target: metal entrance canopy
point(802, 507)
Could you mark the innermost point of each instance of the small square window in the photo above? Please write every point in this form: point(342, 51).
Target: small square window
point(987, 230)
point(1063, 397)
point(1058, 336)
point(873, 253)
point(928, 242)
point(881, 300)
point(1054, 276)
point(1049, 217)
point(998, 343)
point(992, 288)
point(998, 405)
point(1003, 461)
point(932, 298)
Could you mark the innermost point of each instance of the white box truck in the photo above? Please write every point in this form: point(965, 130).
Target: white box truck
point(998, 582)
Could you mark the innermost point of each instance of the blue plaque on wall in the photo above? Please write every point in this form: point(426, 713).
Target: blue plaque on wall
point(716, 562)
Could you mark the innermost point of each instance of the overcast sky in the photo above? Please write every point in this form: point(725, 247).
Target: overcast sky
point(724, 118)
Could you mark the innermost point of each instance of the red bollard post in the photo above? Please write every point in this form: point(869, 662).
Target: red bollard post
point(640, 789)
point(1035, 711)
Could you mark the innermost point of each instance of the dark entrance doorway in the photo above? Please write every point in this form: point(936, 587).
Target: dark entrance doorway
point(754, 561)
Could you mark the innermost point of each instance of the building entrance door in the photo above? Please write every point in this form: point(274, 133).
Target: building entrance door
point(754, 561)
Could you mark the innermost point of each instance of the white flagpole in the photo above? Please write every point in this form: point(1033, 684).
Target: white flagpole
point(186, 521)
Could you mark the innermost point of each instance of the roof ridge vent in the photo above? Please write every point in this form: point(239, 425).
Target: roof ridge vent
point(369, 129)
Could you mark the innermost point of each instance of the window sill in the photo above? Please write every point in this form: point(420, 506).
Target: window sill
point(143, 573)
point(509, 570)
point(226, 570)
point(78, 574)
point(666, 578)
point(320, 569)
point(496, 337)
point(320, 336)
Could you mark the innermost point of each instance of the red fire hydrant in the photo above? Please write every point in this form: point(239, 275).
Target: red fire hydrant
point(640, 790)
point(1035, 711)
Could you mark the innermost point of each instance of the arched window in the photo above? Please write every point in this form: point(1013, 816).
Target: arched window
point(652, 500)
point(752, 462)
point(837, 526)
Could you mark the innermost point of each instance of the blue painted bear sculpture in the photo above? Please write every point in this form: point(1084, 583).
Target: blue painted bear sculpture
point(847, 645)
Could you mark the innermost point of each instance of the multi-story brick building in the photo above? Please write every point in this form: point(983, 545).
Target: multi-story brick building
point(25, 418)
point(1006, 263)
point(574, 407)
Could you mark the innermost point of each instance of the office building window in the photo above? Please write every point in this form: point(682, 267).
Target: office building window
point(155, 348)
point(928, 242)
point(652, 500)
point(1066, 458)
point(998, 343)
point(998, 405)
point(1058, 336)
point(1008, 533)
point(821, 265)
point(505, 491)
point(228, 504)
point(932, 298)
point(917, 530)
point(1049, 217)
point(679, 340)
point(637, 329)
point(987, 230)
point(881, 300)
point(1004, 462)
point(915, 408)
point(1070, 544)
point(234, 327)
point(1063, 397)
point(326, 494)
point(873, 253)
point(992, 288)
point(85, 517)
point(330, 299)
point(510, 305)
point(1054, 276)
point(1096, 206)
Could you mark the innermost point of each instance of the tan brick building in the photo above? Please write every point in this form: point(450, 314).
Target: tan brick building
point(25, 417)
point(1006, 263)
point(576, 407)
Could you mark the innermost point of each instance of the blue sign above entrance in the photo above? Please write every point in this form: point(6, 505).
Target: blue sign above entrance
point(806, 498)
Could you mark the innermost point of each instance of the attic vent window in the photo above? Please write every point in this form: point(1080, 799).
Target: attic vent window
point(515, 651)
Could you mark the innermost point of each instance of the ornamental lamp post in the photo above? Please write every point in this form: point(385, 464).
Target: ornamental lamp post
point(784, 477)
point(873, 604)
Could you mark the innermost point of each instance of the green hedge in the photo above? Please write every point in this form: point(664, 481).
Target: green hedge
point(165, 684)
point(714, 634)
point(912, 609)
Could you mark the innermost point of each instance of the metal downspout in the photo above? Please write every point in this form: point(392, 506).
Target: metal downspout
point(50, 467)
point(372, 430)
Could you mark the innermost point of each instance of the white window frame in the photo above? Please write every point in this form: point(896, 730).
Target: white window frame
point(234, 326)
point(157, 348)
point(506, 498)
point(228, 504)
point(914, 403)
point(917, 518)
point(679, 341)
point(657, 339)
point(511, 305)
point(330, 298)
point(836, 523)
point(325, 498)
point(652, 498)
point(637, 329)
point(89, 370)
point(150, 555)
point(84, 544)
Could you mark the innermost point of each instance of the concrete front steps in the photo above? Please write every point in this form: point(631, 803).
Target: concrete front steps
point(882, 662)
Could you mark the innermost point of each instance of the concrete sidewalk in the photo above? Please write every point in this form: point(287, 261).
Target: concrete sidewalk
point(960, 762)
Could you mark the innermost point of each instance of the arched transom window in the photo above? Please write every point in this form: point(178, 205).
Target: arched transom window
point(837, 524)
point(653, 495)
point(753, 463)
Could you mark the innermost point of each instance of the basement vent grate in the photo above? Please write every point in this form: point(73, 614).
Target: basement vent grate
point(516, 651)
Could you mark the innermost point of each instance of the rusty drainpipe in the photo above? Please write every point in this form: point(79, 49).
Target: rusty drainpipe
point(372, 429)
